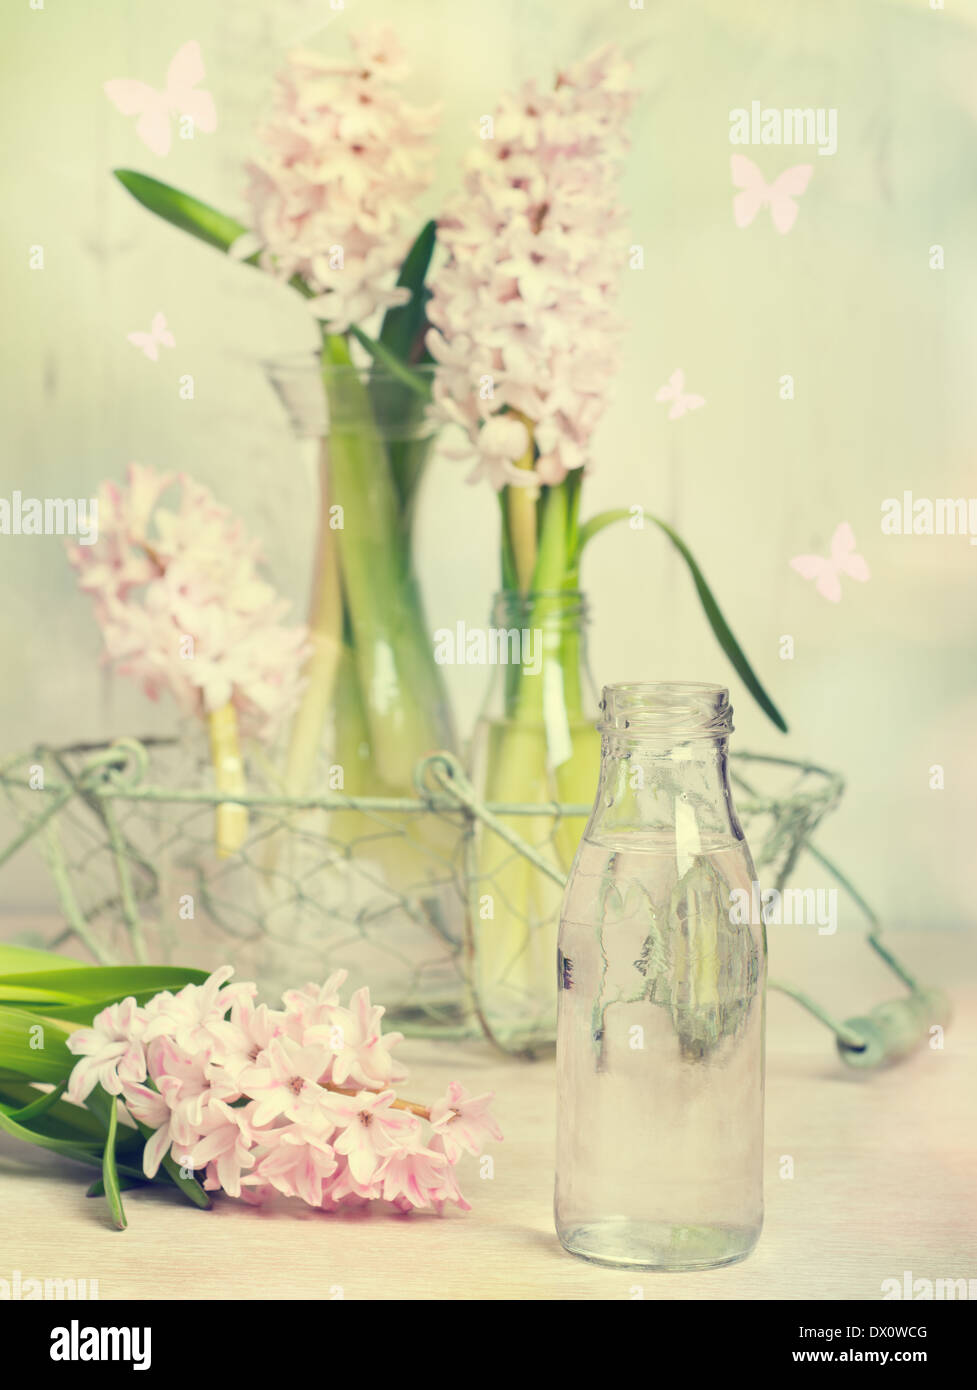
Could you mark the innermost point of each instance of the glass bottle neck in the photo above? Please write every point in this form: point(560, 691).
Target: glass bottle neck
point(655, 790)
point(664, 767)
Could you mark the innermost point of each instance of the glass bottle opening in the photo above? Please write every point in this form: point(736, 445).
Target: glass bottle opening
point(666, 709)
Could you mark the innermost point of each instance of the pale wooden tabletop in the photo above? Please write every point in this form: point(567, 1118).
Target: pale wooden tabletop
point(884, 1180)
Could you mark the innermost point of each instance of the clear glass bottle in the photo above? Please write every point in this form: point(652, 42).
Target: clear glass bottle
point(661, 986)
point(534, 744)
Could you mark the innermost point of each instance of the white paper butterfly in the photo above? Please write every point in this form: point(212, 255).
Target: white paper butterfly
point(827, 571)
point(158, 336)
point(180, 97)
point(674, 391)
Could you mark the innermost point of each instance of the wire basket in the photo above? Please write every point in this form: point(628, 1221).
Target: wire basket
point(386, 887)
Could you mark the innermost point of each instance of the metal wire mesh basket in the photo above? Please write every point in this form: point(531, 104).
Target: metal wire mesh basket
point(385, 887)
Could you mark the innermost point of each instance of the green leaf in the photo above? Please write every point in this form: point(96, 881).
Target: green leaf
point(189, 1187)
point(596, 524)
point(126, 1180)
point(98, 1101)
point(191, 215)
point(403, 325)
point(392, 364)
point(48, 1060)
point(94, 982)
point(71, 1148)
point(711, 608)
point(110, 1177)
point(24, 959)
point(40, 1104)
point(183, 210)
point(80, 1151)
point(63, 1119)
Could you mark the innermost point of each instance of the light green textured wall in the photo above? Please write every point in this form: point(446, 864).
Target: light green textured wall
point(881, 347)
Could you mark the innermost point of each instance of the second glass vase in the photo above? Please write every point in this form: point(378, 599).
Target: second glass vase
point(535, 744)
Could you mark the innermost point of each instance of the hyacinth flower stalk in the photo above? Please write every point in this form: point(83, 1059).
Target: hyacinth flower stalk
point(183, 610)
point(341, 159)
point(525, 305)
point(229, 776)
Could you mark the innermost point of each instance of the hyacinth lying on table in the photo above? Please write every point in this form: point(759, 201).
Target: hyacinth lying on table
point(299, 1100)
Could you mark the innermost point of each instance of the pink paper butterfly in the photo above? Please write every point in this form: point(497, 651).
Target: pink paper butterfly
point(757, 193)
point(178, 98)
point(826, 573)
point(158, 336)
point(681, 399)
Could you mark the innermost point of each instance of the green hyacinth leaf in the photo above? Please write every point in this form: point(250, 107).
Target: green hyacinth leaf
point(33, 1046)
point(127, 1180)
point(95, 982)
point(23, 960)
point(191, 215)
point(404, 324)
point(58, 1118)
point(713, 612)
point(383, 356)
point(69, 1147)
point(183, 210)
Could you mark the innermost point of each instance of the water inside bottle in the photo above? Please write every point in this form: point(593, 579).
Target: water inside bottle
point(660, 1053)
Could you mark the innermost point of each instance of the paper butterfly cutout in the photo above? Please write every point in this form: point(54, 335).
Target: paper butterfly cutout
point(757, 193)
point(682, 400)
point(843, 559)
point(178, 98)
point(158, 336)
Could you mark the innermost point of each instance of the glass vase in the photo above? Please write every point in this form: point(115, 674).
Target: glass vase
point(661, 974)
point(534, 744)
point(375, 705)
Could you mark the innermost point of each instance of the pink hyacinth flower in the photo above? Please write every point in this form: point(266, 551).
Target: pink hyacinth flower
point(372, 1129)
point(464, 1122)
point(286, 1084)
point(360, 1052)
point(298, 1165)
point(112, 1051)
point(411, 1176)
point(224, 1149)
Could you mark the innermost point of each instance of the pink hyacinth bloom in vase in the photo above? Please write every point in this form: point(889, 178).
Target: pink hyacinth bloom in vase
point(526, 300)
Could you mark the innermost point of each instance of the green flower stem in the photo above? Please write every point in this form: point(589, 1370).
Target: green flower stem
point(110, 1176)
point(325, 622)
point(544, 750)
point(394, 656)
point(99, 1103)
point(408, 460)
point(520, 518)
